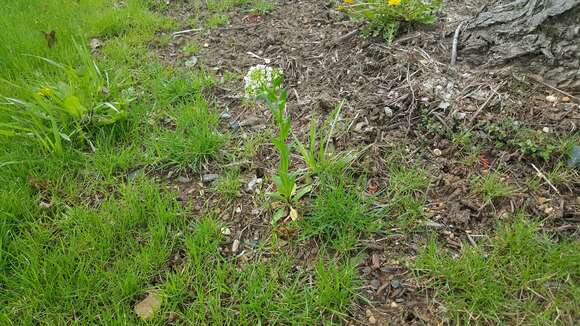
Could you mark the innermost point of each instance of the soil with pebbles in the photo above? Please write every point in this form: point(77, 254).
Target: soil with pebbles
point(393, 97)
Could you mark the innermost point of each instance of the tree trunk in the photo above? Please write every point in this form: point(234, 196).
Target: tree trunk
point(541, 37)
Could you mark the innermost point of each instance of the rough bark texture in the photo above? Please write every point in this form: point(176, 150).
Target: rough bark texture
point(541, 37)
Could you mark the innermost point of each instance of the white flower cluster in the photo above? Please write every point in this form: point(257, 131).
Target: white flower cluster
point(258, 79)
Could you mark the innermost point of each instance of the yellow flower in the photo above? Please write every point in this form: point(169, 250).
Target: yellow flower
point(394, 2)
point(340, 8)
point(348, 2)
point(44, 92)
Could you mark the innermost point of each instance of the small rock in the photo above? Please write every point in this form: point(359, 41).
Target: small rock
point(206, 45)
point(395, 284)
point(437, 152)
point(372, 320)
point(226, 231)
point(182, 179)
point(551, 98)
point(565, 99)
point(234, 125)
point(235, 246)
point(574, 161)
point(460, 115)
point(207, 178)
point(238, 210)
point(388, 111)
point(225, 115)
point(546, 130)
point(254, 183)
point(95, 44)
point(191, 62)
point(443, 105)
point(147, 307)
point(394, 304)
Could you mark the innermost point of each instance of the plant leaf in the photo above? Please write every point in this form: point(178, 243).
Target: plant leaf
point(293, 214)
point(303, 191)
point(278, 215)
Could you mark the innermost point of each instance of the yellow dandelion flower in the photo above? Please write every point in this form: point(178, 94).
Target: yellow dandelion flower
point(394, 2)
point(44, 92)
point(349, 2)
point(340, 8)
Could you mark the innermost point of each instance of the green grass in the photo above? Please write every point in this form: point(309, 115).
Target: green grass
point(86, 230)
point(194, 140)
point(92, 265)
point(85, 234)
point(406, 194)
point(523, 277)
point(491, 186)
point(229, 185)
point(54, 93)
point(340, 214)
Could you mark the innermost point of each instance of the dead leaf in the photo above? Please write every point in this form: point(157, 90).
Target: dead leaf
point(293, 214)
point(37, 184)
point(147, 307)
point(50, 38)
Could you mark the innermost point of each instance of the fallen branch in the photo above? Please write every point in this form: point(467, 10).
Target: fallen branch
point(186, 31)
point(343, 38)
point(455, 43)
point(543, 176)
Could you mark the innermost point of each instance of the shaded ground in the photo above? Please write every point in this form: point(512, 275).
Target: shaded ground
point(457, 123)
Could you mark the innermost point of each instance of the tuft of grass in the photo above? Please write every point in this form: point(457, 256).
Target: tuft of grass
point(262, 6)
point(192, 47)
point(229, 185)
point(406, 194)
point(217, 20)
point(524, 278)
point(194, 140)
point(340, 214)
point(491, 186)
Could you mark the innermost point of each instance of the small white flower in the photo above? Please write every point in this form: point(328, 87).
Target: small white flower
point(258, 79)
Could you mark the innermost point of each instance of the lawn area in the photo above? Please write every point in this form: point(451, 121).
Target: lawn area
point(147, 178)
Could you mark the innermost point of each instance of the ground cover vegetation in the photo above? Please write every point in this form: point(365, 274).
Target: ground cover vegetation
point(190, 162)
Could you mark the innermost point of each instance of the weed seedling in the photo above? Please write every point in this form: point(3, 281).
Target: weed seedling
point(265, 83)
point(316, 152)
point(385, 17)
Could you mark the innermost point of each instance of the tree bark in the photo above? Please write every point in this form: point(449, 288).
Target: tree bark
point(541, 37)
